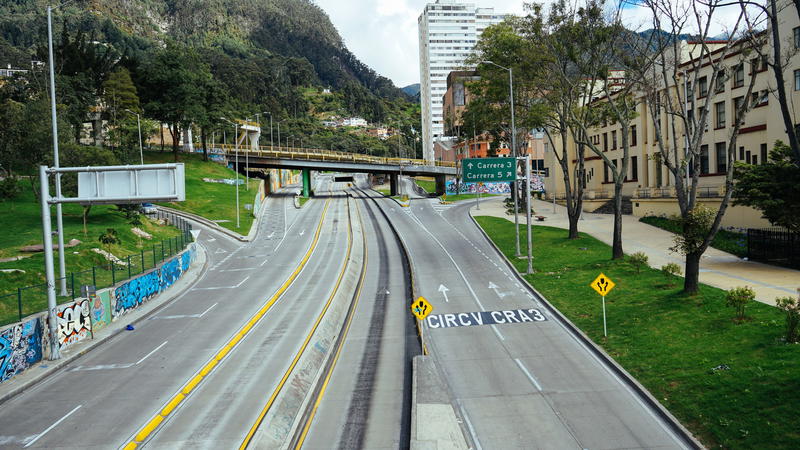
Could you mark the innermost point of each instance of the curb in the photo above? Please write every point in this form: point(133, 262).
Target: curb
point(672, 423)
point(94, 343)
point(211, 224)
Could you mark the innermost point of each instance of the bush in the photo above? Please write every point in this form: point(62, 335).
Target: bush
point(791, 306)
point(109, 237)
point(9, 188)
point(638, 260)
point(738, 298)
point(671, 271)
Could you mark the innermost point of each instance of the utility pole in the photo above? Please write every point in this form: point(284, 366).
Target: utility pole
point(236, 142)
point(139, 125)
point(62, 266)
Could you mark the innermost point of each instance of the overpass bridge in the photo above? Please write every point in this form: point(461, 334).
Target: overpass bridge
point(307, 159)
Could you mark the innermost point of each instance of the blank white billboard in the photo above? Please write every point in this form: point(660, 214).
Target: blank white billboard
point(131, 184)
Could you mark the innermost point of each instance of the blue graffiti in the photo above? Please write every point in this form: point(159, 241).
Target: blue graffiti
point(186, 259)
point(170, 272)
point(136, 291)
point(20, 347)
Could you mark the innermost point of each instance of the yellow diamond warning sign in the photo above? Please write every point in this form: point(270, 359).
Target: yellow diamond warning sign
point(421, 308)
point(602, 284)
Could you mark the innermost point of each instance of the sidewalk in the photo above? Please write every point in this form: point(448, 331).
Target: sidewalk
point(717, 268)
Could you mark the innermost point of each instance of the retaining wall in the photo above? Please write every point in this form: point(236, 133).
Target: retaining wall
point(25, 343)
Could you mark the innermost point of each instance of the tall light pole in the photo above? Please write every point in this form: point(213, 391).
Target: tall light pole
point(139, 124)
point(513, 148)
point(236, 142)
point(62, 266)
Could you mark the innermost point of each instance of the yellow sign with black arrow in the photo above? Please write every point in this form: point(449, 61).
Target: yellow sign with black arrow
point(602, 284)
point(421, 308)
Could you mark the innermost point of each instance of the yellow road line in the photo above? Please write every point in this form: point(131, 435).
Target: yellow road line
point(341, 342)
point(271, 400)
point(187, 388)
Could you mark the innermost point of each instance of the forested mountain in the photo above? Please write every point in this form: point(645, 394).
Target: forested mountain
point(190, 62)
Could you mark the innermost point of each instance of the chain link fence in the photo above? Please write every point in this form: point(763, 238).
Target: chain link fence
point(29, 300)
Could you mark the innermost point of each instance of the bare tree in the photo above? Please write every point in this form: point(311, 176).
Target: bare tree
point(668, 88)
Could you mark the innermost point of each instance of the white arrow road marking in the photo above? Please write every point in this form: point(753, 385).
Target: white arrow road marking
point(219, 250)
point(51, 427)
point(302, 232)
point(443, 289)
point(496, 288)
point(271, 235)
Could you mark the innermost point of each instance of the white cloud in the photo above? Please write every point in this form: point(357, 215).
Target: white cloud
point(383, 33)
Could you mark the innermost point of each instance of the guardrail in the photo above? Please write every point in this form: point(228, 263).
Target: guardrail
point(313, 154)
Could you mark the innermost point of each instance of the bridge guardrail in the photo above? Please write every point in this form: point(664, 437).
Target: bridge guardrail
point(330, 155)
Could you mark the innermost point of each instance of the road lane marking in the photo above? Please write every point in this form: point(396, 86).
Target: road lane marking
point(470, 428)
point(99, 367)
point(52, 426)
point(238, 270)
point(303, 347)
point(349, 319)
point(209, 309)
point(148, 355)
point(528, 374)
point(153, 424)
point(242, 282)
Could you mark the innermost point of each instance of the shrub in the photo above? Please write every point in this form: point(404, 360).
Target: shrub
point(670, 271)
point(9, 188)
point(638, 260)
point(791, 306)
point(109, 237)
point(738, 298)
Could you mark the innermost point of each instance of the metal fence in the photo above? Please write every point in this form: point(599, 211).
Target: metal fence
point(29, 300)
point(774, 245)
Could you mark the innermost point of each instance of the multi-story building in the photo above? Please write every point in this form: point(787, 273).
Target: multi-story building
point(448, 31)
point(648, 183)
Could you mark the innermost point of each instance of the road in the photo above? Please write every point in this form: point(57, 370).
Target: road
point(524, 382)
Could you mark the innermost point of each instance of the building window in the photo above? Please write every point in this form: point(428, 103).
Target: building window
point(690, 119)
point(738, 104)
point(719, 85)
point(741, 152)
point(634, 168)
point(605, 142)
point(796, 37)
point(719, 109)
point(722, 157)
point(762, 98)
point(703, 159)
point(763, 153)
point(738, 76)
point(702, 87)
point(797, 80)
point(614, 140)
point(633, 135)
point(605, 172)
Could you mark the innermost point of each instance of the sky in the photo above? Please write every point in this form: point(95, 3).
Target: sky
point(383, 33)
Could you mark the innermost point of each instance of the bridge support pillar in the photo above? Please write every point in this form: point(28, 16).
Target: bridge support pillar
point(306, 182)
point(441, 184)
point(393, 179)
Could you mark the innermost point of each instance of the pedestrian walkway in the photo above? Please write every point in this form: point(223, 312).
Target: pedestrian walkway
point(717, 268)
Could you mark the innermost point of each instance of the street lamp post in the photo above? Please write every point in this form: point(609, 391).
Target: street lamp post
point(236, 143)
point(139, 125)
point(62, 266)
point(513, 148)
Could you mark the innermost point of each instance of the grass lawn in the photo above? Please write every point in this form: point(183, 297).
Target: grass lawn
point(21, 222)
point(385, 192)
point(671, 343)
point(214, 201)
point(303, 200)
point(428, 185)
point(457, 197)
point(727, 241)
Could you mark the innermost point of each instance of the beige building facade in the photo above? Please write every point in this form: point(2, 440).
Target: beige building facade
point(648, 182)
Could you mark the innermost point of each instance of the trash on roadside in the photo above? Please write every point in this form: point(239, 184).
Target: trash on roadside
point(129, 328)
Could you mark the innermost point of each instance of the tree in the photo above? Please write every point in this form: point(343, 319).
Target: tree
point(773, 187)
point(668, 91)
point(174, 81)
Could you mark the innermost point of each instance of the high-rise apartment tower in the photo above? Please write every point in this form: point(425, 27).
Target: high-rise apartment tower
point(448, 31)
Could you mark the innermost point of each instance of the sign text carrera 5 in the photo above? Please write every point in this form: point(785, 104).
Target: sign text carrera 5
point(489, 170)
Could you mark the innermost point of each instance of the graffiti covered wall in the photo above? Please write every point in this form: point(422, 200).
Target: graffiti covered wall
point(20, 347)
point(133, 293)
point(74, 322)
point(474, 188)
point(101, 310)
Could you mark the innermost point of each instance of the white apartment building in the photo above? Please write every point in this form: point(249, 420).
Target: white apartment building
point(448, 31)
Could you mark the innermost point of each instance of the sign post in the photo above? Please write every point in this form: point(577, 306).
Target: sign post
point(603, 285)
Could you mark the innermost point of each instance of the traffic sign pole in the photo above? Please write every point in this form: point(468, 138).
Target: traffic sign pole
point(605, 328)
